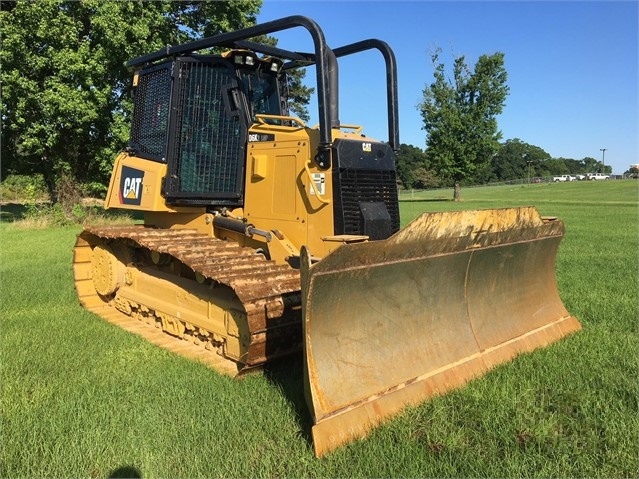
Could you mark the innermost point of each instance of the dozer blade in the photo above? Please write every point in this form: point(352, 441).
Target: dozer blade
point(393, 322)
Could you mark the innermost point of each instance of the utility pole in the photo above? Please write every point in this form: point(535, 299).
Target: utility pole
point(603, 157)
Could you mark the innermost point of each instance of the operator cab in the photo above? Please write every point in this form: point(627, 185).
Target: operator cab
point(193, 113)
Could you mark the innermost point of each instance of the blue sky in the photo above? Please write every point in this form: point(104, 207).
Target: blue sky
point(572, 66)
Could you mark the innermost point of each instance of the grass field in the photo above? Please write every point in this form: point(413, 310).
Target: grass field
point(82, 398)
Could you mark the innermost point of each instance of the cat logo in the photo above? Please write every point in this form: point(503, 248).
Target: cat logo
point(131, 186)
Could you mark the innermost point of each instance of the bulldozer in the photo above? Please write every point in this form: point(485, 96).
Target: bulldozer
point(264, 237)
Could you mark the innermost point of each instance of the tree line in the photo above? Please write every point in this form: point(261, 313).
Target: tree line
point(66, 95)
point(513, 160)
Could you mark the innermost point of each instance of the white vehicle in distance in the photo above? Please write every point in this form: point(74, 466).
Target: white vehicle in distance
point(580, 177)
point(597, 176)
point(563, 178)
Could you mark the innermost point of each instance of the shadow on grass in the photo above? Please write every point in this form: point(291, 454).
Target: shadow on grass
point(10, 212)
point(125, 472)
point(287, 374)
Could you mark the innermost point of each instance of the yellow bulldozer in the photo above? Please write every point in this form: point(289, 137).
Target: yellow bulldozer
point(264, 237)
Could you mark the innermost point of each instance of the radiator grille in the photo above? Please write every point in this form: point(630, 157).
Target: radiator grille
point(208, 142)
point(151, 113)
point(354, 186)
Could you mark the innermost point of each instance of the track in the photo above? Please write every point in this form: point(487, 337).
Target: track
point(264, 296)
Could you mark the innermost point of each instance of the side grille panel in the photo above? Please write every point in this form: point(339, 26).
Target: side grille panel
point(363, 177)
point(353, 187)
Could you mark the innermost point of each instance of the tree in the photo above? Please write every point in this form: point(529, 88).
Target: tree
point(554, 167)
point(425, 178)
point(413, 170)
point(574, 166)
point(460, 116)
point(298, 94)
point(66, 94)
point(632, 172)
point(591, 165)
point(517, 159)
point(408, 159)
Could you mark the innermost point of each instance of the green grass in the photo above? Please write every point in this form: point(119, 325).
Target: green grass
point(82, 398)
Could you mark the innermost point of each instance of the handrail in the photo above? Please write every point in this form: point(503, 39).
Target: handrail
point(261, 117)
point(358, 128)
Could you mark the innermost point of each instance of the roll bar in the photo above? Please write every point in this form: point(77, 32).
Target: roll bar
point(391, 81)
point(323, 57)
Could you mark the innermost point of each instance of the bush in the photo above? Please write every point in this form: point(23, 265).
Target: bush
point(68, 195)
point(94, 190)
point(23, 188)
point(68, 207)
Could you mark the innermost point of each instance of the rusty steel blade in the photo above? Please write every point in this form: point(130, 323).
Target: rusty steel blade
point(393, 322)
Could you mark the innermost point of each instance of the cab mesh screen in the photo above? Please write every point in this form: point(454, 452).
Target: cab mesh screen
point(207, 147)
point(151, 113)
